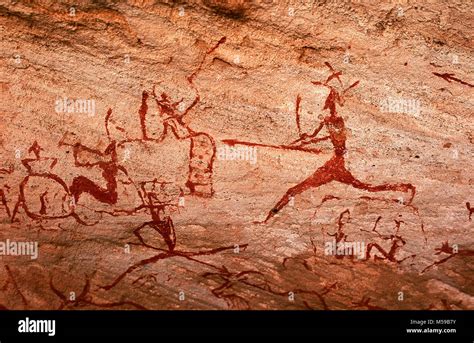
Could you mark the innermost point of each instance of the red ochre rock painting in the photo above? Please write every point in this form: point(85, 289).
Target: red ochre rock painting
point(204, 160)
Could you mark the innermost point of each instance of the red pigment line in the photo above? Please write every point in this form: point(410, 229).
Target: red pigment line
point(221, 41)
point(311, 137)
point(398, 223)
point(210, 51)
point(327, 197)
point(351, 86)
point(107, 118)
point(335, 74)
point(35, 148)
point(58, 294)
point(313, 245)
point(142, 113)
point(233, 142)
point(449, 76)
point(297, 110)
point(470, 210)
point(376, 223)
point(43, 203)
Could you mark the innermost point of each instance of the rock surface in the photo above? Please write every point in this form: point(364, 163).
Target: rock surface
point(157, 152)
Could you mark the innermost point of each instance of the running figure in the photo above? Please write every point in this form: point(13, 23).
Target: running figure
point(106, 161)
point(334, 169)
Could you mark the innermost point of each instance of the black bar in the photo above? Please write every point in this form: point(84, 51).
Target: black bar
point(371, 324)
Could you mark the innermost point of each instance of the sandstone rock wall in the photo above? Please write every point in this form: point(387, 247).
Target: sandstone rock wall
point(156, 152)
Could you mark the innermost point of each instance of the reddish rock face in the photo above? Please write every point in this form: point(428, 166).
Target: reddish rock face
point(236, 155)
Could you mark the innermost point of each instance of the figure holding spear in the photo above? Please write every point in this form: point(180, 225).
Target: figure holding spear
point(334, 169)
